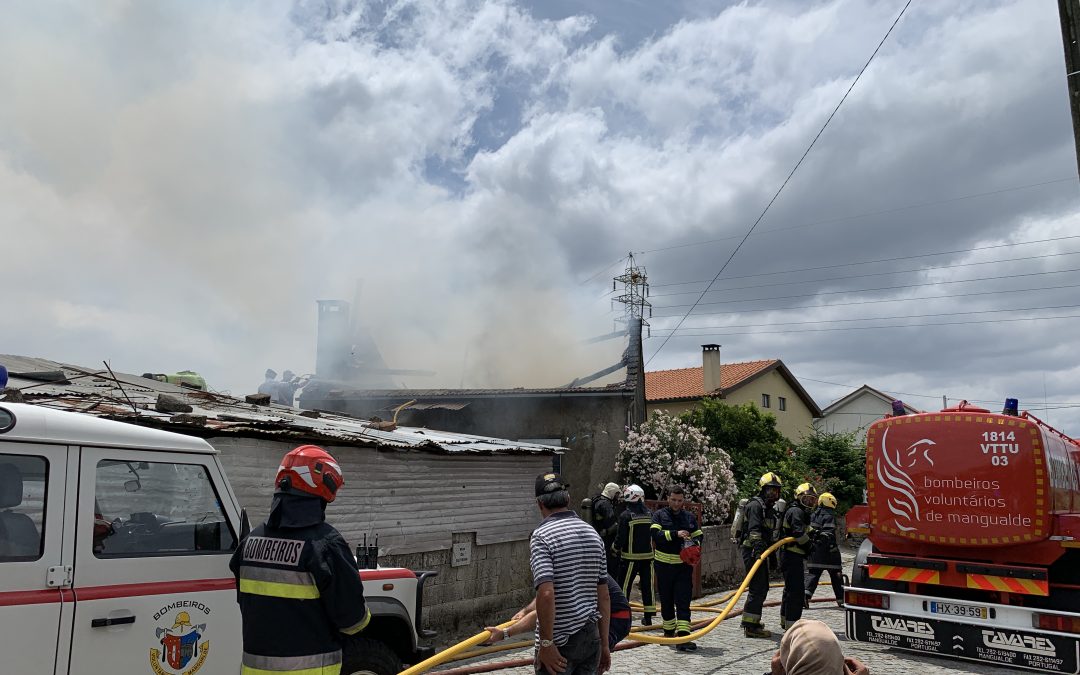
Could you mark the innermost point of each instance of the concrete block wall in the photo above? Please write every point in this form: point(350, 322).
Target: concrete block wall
point(721, 561)
point(463, 599)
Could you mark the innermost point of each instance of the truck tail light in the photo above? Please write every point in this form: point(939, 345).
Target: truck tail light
point(864, 599)
point(1056, 622)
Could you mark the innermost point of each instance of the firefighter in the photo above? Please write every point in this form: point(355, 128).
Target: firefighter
point(674, 528)
point(796, 524)
point(825, 555)
point(297, 582)
point(605, 522)
point(759, 523)
point(633, 542)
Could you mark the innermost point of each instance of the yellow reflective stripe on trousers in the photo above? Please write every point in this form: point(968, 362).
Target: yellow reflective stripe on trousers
point(274, 589)
point(669, 558)
point(321, 670)
point(361, 625)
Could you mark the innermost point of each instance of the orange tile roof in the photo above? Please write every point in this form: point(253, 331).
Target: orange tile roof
point(664, 385)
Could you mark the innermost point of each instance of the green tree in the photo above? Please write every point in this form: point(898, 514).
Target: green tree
point(833, 462)
point(749, 436)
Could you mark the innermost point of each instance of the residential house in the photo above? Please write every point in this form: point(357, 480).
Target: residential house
point(856, 411)
point(767, 384)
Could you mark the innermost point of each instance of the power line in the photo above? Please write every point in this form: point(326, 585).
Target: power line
point(885, 300)
point(792, 173)
point(870, 290)
point(876, 274)
point(883, 260)
point(910, 325)
point(934, 396)
point(878, 318)
point(1070, 179)
point(603, 269)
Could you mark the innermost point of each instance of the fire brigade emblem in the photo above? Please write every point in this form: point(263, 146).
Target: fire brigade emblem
point(183, 649)
point(894, 477)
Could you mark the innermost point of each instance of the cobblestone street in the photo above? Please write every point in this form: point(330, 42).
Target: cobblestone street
point(725, 650)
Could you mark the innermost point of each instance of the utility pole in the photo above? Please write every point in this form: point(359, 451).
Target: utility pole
point(1069, 12)
point(635, 298)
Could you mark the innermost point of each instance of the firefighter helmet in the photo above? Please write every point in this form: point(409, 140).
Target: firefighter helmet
point(806, 494)
point(311, 470)
point(690, 554)
point(633, 493)
point(827, 499)
point(770, 479)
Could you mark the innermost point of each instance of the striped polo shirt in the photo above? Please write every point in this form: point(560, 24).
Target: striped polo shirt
point(568, 552)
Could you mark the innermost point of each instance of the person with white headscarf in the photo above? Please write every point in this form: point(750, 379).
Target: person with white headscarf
point(810, 647)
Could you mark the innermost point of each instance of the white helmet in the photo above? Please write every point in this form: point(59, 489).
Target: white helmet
point(633, 493)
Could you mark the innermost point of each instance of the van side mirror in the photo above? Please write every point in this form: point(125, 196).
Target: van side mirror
point(245, 524)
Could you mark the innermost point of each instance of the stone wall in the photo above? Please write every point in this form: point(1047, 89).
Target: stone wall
point(495, 583)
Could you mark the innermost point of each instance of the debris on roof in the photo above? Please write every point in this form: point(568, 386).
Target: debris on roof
point(139, 400)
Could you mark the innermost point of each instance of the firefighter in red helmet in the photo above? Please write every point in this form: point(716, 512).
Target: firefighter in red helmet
point(297, 581)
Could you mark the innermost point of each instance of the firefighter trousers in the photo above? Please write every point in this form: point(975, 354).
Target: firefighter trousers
point(643, 570)
point(756, 591)
point(813, 576)
point(791, 603)
point(675, 583)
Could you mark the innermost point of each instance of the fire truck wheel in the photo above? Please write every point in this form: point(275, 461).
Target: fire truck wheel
point(364, 656)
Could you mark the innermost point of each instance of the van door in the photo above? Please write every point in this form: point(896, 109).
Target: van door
point(153, 590)
point(32, 573)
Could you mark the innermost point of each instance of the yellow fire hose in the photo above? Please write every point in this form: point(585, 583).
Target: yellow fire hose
point(481, 638)
point(652, 639)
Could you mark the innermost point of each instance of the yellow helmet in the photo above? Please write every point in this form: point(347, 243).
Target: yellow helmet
point(827, 499)
point(805, 488)
point(770, 479)
point(182, 619)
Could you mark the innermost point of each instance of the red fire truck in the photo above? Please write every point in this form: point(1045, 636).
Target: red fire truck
point(973, 546)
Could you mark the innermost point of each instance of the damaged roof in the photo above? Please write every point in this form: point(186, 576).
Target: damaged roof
point(135, 399)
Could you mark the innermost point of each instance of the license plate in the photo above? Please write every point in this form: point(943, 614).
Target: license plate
point(958, 609)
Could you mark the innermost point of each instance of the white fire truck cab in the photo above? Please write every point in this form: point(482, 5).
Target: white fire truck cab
point(115, 543)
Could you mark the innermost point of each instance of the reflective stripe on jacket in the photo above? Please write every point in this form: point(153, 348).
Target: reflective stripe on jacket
point(796, 524)
point(299, 590)
point(665, 528)
point(634, 540)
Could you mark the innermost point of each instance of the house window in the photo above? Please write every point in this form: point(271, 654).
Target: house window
point(764, 400)
point(781, 403)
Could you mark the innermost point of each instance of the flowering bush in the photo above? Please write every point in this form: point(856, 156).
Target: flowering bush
point(665, 451)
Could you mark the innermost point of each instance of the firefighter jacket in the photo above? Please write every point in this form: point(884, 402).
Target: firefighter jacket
point(603, 518)
point(758, 526)
point(826, 552)
point(665, 533)
point(299, 589)
point(797, 524)
point(634, 540)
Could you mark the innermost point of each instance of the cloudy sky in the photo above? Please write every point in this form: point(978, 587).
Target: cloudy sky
point(180, 182)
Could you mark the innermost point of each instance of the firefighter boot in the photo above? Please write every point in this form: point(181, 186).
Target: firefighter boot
point(755, 631)
point(806, 601)
point(647, 620)
point(686, 646)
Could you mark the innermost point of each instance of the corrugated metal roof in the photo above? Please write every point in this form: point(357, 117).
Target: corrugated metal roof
point(131, 398)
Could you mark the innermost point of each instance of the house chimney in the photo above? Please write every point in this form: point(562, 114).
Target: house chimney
point(710, 362)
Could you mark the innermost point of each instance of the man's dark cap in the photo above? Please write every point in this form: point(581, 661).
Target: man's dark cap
point(550, 482)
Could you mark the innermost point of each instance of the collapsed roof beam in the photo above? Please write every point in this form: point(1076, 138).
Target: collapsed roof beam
point(596, 376)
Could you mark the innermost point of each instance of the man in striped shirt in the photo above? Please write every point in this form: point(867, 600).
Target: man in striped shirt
point(569, 571)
